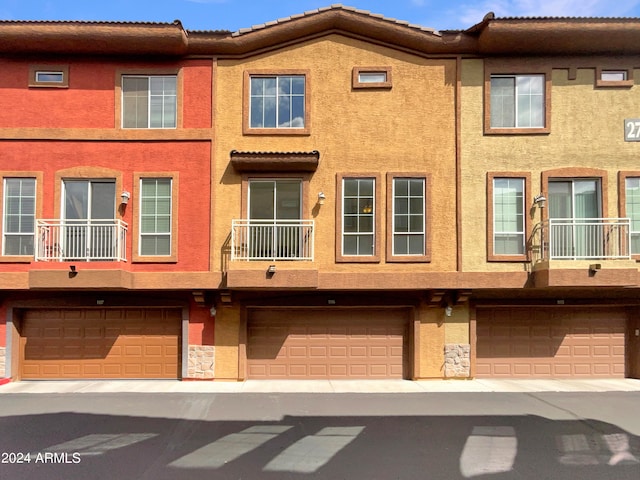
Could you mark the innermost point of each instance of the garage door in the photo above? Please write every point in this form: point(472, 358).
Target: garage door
point(336, 344)
point(550, 342)
point(100, 343)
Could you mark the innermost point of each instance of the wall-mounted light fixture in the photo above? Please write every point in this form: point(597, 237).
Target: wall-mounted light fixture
point(72, 271)
point(271, 269)
point(212, 311)
point(539, 200)
point(124, 197)
point(448, 310)
point(593, 268)
point(321, 198)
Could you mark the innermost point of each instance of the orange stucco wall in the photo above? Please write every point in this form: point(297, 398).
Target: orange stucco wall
point(90, 100)
point(189, 160)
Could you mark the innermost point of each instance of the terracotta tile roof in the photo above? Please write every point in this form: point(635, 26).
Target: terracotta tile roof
point(335, 6)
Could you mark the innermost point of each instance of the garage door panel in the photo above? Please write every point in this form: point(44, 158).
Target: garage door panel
point(562, 342)
point(100, 343)
point(335, 344)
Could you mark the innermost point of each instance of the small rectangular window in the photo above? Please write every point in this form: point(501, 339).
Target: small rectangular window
point(49, 77)
point(149, 101)
point(613, 75)
point(19, 216)
point(155, 216)
point(56, 76)
point(371, 77)
point(508, 216)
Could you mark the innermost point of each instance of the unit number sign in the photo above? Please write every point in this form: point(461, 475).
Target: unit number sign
point(632, 129)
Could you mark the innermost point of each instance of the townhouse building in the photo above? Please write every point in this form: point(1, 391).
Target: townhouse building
point(331, 195)
point(106, 160)
point(549, 161)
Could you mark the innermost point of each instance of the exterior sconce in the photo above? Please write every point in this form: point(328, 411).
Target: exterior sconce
point(72, 271)
point(539, 200)
point(124, 197)
point(593, 268)
point(212, 311)
point(448, 310)
point(321, 198)
point(272, 269)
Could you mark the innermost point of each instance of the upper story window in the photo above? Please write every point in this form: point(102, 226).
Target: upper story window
point(517, 101)
point(276, 103)
point(614, 77)
point(149, 101)
point(155, 216)
point(49, 76)
point(371, 77)
point(18, 223)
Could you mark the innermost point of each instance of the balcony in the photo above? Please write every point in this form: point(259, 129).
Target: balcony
point(80, 240)
point(592, 252)
point(272, 240)
point(582, 239)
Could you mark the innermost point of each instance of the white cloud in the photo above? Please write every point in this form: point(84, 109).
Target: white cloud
point(474, 12)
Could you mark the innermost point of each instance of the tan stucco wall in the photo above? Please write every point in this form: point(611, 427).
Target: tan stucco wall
point(586, 131)
point(409, 128)
point(227, 339)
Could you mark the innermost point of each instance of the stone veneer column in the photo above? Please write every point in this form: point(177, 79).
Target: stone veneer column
point(201, 361)
point(457, 360)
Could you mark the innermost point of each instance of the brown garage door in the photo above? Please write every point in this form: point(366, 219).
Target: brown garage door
point(327, 344)
point(100, 343)
point(551, 342)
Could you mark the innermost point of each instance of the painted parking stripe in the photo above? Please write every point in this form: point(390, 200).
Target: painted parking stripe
point(99, 443)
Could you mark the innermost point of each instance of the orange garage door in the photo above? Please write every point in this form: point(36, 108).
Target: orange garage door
point(550, 342)
point(336, 344)
point(100, 343)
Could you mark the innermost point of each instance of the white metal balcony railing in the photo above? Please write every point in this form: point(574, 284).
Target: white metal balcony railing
point(80, 240)
point(272, 240)
point(582, 238)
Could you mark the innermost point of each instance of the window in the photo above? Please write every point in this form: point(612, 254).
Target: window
point(149, 101)
point(155, 216)
point(371, 77)
point(358, 218)
point(408, 218)
point(632, 210)
point(517, 101)
point(19, 216)
point(614, 77)
point(49, 76)
point(508, 216)
point(277, 101)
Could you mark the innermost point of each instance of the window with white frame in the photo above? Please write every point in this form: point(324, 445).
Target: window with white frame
point(358, 216)
point(517, 101)
point(277, 101)
point(408, 216)
point(508, 216)
point(19, 216)
point(613, 75)
point(155, 216)
point(149, 101)
point(632, 195)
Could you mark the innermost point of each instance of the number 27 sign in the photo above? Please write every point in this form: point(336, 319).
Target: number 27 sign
point(632, 129)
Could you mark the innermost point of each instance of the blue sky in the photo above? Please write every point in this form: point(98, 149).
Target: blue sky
point(235, 14)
